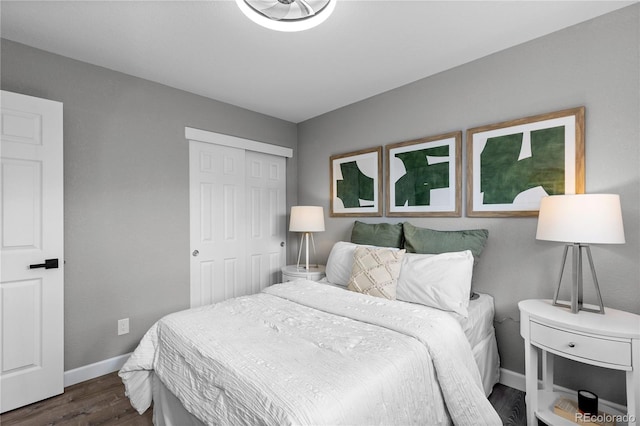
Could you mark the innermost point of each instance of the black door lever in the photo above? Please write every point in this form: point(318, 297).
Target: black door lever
point(48, 264)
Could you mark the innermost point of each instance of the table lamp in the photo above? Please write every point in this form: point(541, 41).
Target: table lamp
point(306, 219)
point(580, 220)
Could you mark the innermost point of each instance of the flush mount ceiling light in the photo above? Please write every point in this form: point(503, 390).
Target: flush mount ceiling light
point(287, 15)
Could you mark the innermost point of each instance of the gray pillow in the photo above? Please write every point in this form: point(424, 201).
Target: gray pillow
point(377, 234)
point(430, 241)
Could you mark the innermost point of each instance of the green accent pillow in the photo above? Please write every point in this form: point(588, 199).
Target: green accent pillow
point(430, 241)
point(377, 234)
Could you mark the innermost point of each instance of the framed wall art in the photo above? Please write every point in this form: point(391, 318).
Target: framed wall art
point(424, 176)
point(356, 183)
point(512, 165)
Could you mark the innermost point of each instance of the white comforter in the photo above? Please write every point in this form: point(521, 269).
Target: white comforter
point(307, 353)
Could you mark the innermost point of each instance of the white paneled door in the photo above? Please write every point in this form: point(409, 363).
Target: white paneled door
point(266, 209)
point(238, 215)
point(217, 209)
point(31, 270)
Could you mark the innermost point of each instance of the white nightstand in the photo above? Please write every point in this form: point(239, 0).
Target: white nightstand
point(611, 341)
point(292, 272)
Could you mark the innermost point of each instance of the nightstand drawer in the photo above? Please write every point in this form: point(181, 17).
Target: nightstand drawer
point(578, 345)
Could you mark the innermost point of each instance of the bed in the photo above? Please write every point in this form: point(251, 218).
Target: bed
point(306, 352)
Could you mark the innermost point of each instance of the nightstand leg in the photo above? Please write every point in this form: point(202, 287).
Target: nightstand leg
point(531, 375)
point(633, 386)
point(547, 382)
point(547, 371)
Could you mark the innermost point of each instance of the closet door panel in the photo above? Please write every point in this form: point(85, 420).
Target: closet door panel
point(266, 186)
point(217, 184)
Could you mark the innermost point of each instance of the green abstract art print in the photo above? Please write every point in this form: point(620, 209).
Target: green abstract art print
point(513, 165)
point(356, 183)
point(424, 176)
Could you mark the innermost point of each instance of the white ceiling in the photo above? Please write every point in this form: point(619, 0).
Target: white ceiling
point(210, 48)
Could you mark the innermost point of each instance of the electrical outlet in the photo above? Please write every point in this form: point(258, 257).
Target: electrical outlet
point(123, 326)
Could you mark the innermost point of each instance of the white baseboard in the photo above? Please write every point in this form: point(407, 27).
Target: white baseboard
point(518, 381)
point(94, 370)
point(512, 379)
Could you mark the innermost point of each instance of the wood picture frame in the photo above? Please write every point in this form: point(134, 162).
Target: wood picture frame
point(356, 183)
point(513, 164)
point(424, 177)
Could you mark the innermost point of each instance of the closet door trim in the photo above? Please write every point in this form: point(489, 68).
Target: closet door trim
point(198, 135)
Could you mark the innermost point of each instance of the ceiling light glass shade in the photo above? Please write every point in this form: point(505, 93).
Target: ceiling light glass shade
point(287, 15)
point(581, 218)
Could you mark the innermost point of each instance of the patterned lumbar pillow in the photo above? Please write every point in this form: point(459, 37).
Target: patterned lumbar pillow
point(375, 271)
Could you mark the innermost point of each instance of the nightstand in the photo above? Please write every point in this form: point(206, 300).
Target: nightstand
point(293, 272)
point(611, 341)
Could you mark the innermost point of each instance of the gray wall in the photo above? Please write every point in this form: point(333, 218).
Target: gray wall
point(126, 191)
point(126, 175)
point(595, 64)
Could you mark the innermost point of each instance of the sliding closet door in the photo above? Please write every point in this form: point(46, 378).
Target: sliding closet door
point(217, 181)
point(266, 209)
point(238, 218)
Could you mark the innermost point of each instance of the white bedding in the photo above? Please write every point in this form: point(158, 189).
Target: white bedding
point(307, 353)
point(479, 323)
point(478, 327)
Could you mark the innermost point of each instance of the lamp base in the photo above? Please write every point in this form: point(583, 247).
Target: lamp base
point(304, 238)
point(576, 287)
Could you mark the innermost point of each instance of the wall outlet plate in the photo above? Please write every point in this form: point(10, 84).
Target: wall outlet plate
point(123, 326)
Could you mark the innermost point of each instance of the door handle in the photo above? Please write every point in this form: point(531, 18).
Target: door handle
point(48, 264)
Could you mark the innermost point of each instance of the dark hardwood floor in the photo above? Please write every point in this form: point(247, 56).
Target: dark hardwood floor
point(509, 403)
point(101, 401)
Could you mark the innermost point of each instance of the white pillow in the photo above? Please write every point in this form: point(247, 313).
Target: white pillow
point(441, 281)
point(340, 262)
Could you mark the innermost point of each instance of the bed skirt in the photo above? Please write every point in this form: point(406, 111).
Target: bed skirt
point(167, 409)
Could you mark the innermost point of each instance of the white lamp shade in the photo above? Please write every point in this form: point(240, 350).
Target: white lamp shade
point(581, 218)
point(306, 219)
